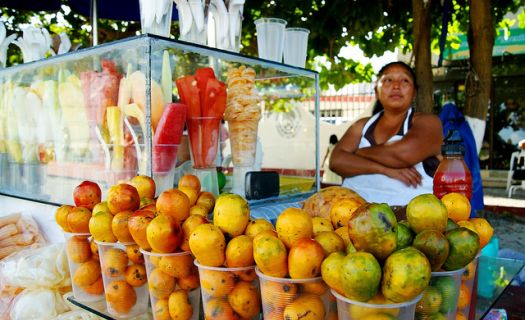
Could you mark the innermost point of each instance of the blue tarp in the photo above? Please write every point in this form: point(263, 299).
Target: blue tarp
point(453, 119)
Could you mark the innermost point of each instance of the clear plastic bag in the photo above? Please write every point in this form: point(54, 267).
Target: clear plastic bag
point(41, 304)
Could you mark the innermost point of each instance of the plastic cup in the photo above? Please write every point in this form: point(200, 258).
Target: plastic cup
point(444, 284)
point(350, 309)
point(243, 141)
point(282, 295)
point(84, 268)
point(233, 292)
point(270, 38)
point(204, 140)
point(295, 46)
point(164, 161)
point(155, 16)
point(467, 285)
point(191, 30)
point(173, 276)
point(124, 281)
point(230, 40)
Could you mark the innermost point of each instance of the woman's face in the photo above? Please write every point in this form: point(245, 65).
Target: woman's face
point(395, 88)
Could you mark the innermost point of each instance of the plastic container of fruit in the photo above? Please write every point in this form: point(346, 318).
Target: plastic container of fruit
point(173, 284)
point(84, 266)
point(125, 282)
point(350, 309)
point(229, 293)
point(284, 298)
point(441, 295)
point(467, 285)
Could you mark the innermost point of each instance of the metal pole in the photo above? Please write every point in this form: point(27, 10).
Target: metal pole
point(94, 22)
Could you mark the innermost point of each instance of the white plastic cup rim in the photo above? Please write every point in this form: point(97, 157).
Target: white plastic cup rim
point(448, 273)
point(158, 254)
point(114, 243)
point(285, 280)
point(375, 306)
point(224, 269)
point(297, 30)
point(270, 20)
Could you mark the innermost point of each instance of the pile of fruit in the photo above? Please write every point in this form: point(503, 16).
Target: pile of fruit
point(128, 223)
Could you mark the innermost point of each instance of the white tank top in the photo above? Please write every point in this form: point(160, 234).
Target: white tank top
point(380, 188)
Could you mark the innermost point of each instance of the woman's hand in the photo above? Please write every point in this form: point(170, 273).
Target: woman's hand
point(409, 176)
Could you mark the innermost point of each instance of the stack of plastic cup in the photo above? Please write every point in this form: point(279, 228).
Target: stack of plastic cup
point(173, 284)
point(295, 46)
point(353, 310)
point(440, 298)
point(284, 298)
point(124, 276)
point(270, 38)
point(229, 293)
point(84, 267)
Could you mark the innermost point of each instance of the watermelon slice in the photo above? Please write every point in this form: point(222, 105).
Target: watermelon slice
point(168, 136)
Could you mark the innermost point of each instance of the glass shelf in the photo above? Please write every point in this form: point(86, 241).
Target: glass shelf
point(494, 276)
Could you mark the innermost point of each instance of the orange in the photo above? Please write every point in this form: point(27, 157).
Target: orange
point(100, 226)
point(275, 314)
point(191, 193)
point(135, 275)
point(189, 282)
point(190, 181)
point(94, 249)
point(119, 226)
point(161, 310)
point(120, 296)
point(218, 309)
point(96, 287)
point(78, 249)
point(154, 259)
point(256, 226)
point(342, 210)
point(134, 254)
point(317, 287)
point(343, 233)
point(460, 316)
point(426, 211)
point(216, 283)
point(61, 216)
point(173, 203)
point(245, 300)
point(321, 224)
point(207, 200)
point(458, 206)
point(199, 210)
point(114, 262)
point(277, 294)
point(87, 273)
point(467, 224)
point(246, 275)
point(484, 230)
point(189, 224)
point(160, 284)
point(469, 271)
point(78, 220)
point(292, 225)
point(239, 252)
point(464, 296)
point(179, 305)
point(176, 266)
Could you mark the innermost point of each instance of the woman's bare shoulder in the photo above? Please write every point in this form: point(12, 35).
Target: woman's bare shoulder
point(426, 118)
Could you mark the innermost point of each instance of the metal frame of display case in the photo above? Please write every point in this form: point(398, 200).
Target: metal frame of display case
point(273, 71)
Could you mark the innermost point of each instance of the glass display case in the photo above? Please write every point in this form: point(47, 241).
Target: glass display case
point(96, 114)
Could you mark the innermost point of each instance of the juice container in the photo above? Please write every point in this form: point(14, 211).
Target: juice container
point(452, 174)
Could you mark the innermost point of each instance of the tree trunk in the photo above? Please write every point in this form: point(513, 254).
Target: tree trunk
point(481, 42)
point(422, 26)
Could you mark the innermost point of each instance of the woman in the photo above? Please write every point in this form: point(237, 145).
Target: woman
point(391, 156)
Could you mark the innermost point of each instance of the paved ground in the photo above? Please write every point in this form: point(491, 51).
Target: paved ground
point(509, 227)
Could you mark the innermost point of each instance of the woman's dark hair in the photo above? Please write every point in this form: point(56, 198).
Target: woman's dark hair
point(378, 107)
point(333, 139)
